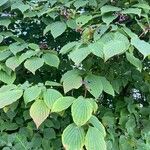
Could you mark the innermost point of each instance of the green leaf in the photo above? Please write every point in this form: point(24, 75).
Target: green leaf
point(78, 55)
point(94, 140)
point(56, 28)
point(31, 94)
point(71, 80)
point(96, 48)
point(129, 32)
point(5, 22)
point(4, 54)
point(21, 6)
point(34, 46)
point(2, 2)
point(68, 47)
point(108, 18)
point(51, 59)
point(1, 38)
point(47, 29)
point(62, 103)
point(8, 97)
point(83, 19)
point(80, 3)
point(50, 96)
point(17, 47)
point(34, 63)
point(107, 87)
point(94, 104)
point(26, 55)
point(73, 137)
point(97, 124)
point(81, 111)
point(52, 83)
point(142, 46)
point(6, 78)
point(39, 112)
point(114, 44)
point(94, 85)
point(109, 8)
point(134, 61)
point(135, 11)
point(142, 5)
point(12, 62)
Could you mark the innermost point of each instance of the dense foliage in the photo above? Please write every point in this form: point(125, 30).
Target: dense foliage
point(74, 74)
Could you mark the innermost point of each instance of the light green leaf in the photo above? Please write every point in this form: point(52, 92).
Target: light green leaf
point(21, 6)
point(96, 48)
point(142, 5)
point(80, 3)
point(5, 22)
point(107, 87)
point(134, 61)
point(52, 83)
point(109, 8)
point(62, 103)
point(71, 80)
point(39, 112)
point(34, 46)
point(26, 55)
point(71, 23)
point(97, 124)
point(81, 111)
point(12, 62)
point(94, 104)
point(31, 94)
point(6, 88)
point(2, 2)
point(50, 96)
point(68, 47)
point(94, 140)
point(6, 78)
point(129, 32)
point(83, 19)
point(56, 28)
point(51, 59)
point(8, 97)
point(73, 137)
point(78, 55)
point(94, 85)
point(1, 38)
point(17, 47)
point(4, 54)
point(108, 18)
point(114, 44)
point(142, 46)
point(34, 63)
point(47, 29)
point(135, 11)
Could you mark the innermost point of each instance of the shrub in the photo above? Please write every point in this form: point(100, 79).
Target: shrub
point(74, 74)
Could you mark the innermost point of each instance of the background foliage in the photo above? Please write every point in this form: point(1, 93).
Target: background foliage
point(74, 74)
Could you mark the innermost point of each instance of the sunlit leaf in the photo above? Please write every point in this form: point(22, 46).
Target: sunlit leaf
point(81, 111)
point(39, 112)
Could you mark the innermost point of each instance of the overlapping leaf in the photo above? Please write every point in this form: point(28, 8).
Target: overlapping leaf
point(71, 80)
point(73, 137)
point(31, 94)
point(62, 103)
point(8, 97)
point(50, 96)
point(81, 111)
point(39, 112)
point(34, 63)
point(97, 143)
